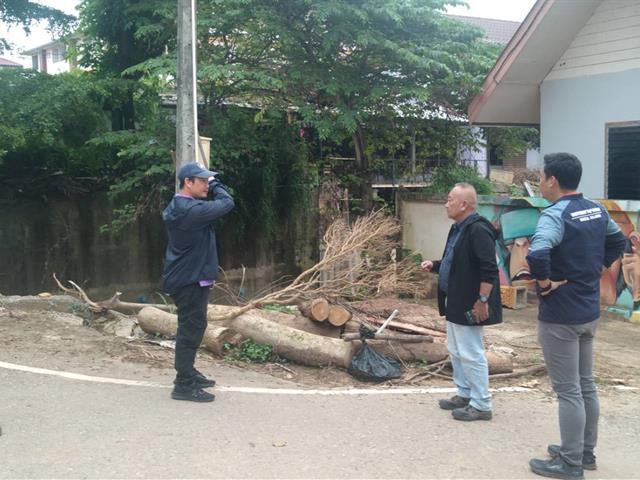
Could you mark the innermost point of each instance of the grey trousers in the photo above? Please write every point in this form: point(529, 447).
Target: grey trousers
point(568, 354)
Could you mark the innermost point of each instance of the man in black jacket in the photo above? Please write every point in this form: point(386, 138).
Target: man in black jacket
point(191, 268)
point(469, 298)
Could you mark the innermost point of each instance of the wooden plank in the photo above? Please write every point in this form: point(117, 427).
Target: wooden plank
point(604, 58)
point(605, 47)
point(615, 24)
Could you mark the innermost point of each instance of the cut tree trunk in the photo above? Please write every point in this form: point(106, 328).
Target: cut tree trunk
point(409, 352)
point(338, 315)
point(294, 344)
point(499, 363)
point(294, 321)
point(317, 309)
point(153, 320)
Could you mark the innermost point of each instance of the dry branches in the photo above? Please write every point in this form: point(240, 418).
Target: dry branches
point(113, 303)
point(359, 261)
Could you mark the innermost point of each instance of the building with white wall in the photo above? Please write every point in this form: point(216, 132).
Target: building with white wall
point(573, 68)
point(50, 58)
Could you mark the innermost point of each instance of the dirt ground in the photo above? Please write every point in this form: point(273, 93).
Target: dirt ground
point(263, 423)
point(52, 333)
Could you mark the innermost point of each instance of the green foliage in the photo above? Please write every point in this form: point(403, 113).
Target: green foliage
point(250, 351)
point(118, 34)
point(25, 12)
point(341, 64)
point(265, 162)
point(506, 142)
point(516, 191)
point(274, 307)
point(46, 122)
point(445, 177)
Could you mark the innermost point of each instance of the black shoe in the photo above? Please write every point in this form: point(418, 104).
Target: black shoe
point(191, 393)
point(198, 378)
point(204, 382)
point(556, 468)
point(588, 458)
point(453, 403)
point(469, 414)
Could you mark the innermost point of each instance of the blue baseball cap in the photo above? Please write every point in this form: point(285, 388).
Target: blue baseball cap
point(192, 169)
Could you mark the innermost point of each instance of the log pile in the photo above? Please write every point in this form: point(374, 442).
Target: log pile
point(324, 333)
point(320, 310)
point(310, 338)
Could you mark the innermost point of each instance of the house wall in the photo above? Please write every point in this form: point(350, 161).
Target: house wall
point(534, 159)
point(574, 111)
point(475, 157)
point(50, 60)
point(608, 42)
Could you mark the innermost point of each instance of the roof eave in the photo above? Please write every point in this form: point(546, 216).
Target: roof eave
point(508, 57)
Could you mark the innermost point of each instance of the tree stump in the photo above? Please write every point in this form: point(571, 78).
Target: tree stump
point(338, 315)
point(317, 309)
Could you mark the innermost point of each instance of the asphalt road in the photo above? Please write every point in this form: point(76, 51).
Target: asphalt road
point(57, 427)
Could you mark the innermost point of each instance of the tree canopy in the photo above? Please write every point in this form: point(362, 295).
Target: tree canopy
point(25, 12)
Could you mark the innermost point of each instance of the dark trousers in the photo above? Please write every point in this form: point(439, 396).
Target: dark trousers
point(192, 303)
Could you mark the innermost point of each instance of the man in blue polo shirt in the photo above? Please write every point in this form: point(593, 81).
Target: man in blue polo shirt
point(574, 239)
point(191, 268)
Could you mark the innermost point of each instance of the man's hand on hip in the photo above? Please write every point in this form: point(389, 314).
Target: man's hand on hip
point(550, 287)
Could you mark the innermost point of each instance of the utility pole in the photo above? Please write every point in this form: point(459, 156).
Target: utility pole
point(187, 113)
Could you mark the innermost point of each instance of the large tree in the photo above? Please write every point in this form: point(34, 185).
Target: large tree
point(119, 34)
point(341, 66)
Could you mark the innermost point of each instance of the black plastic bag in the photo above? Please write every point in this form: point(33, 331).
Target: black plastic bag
point(370, 365)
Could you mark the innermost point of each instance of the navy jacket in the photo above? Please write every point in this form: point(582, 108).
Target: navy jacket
point(474, 262)
point(191, 254)
point(574, 238)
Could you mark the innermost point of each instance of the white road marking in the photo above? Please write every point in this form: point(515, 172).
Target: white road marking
point(261, 390)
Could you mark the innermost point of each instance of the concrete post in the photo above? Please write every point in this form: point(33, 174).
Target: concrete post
point(187, 113)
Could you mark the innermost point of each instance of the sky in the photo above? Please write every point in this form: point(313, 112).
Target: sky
point(515, 10)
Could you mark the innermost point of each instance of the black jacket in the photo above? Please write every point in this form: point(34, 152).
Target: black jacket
point(474, 261)
point(191, 254)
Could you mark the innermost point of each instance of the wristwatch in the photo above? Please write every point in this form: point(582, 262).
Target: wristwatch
point(483, 298)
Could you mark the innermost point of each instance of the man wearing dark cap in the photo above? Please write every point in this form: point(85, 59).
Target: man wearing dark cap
point(191, 268)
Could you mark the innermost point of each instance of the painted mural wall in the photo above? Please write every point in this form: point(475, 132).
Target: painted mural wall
point(516, 219)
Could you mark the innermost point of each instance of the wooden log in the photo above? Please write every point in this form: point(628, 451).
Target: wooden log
point(409, 352)
point(153, 320)
point(499, 363)
point(398, 337)
point(338, 315)
point(431, 323)
point(317, 309)
point(294, 321)
point(404, 327)
point(296, 345)
point(433, 352)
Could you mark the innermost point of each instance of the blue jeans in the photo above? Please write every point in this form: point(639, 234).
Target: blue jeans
point(470, 367)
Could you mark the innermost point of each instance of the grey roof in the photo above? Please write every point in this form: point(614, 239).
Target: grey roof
point(8, 63)
point(497, 31)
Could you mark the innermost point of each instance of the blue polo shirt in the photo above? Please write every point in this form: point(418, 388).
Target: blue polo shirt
point(574, 238)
